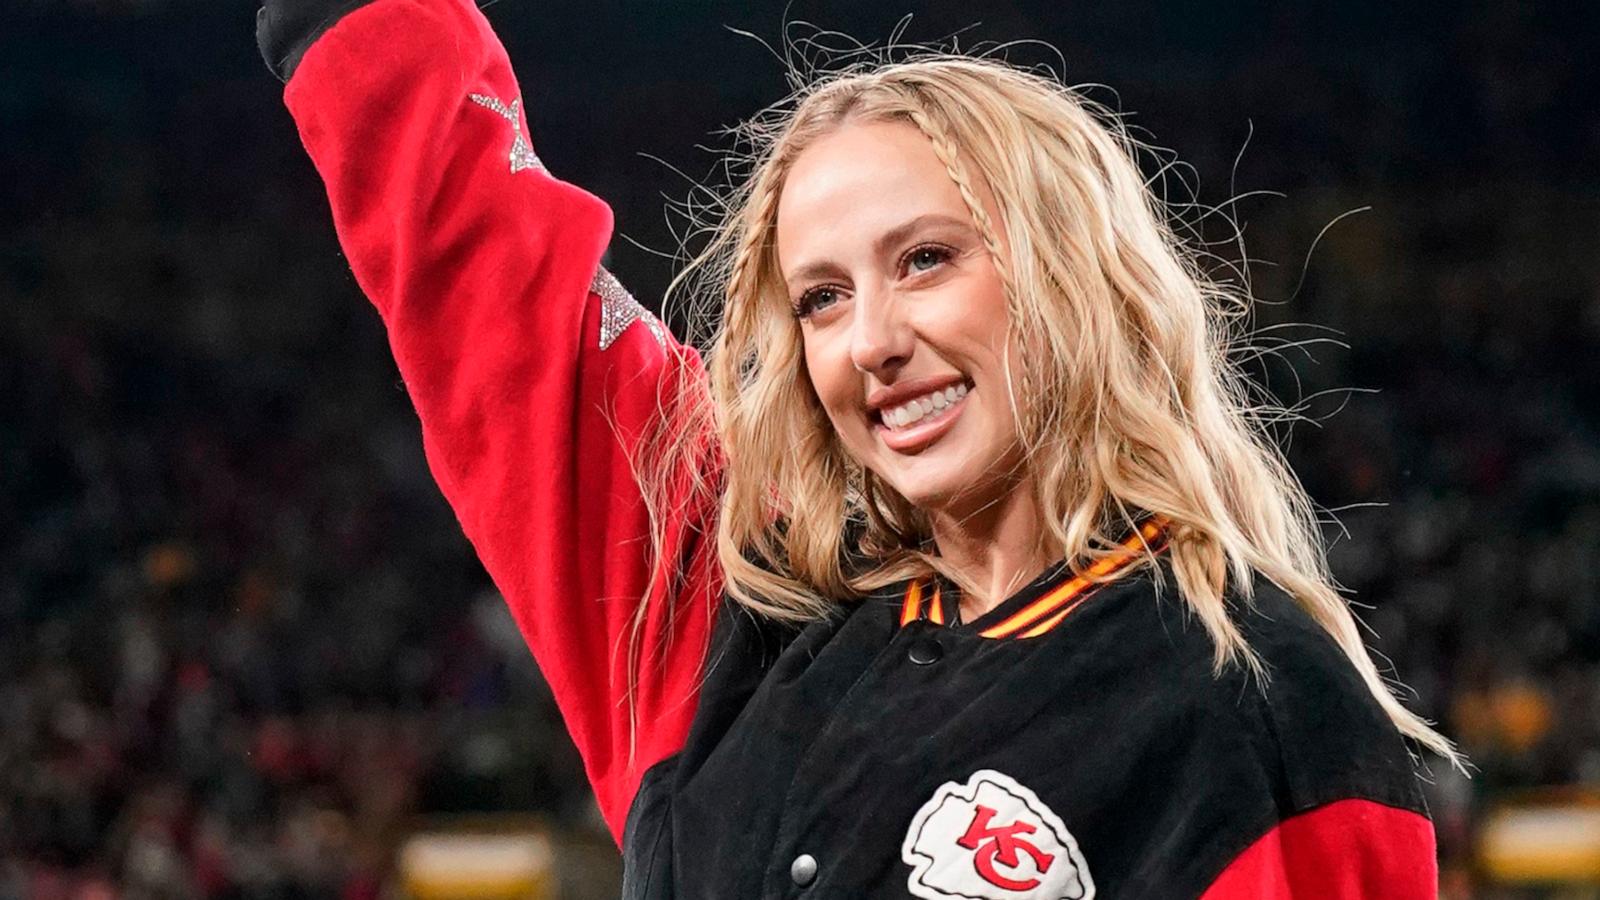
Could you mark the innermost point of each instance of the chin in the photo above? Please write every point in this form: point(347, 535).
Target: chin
point(959, 483)
point(935, 491)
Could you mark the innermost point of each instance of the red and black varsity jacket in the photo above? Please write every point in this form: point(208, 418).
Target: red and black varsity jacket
point(1070, 743)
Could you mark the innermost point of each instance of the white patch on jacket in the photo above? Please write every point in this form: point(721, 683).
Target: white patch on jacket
point(992, 839)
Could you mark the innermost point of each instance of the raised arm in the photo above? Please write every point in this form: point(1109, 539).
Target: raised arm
point(533, 372)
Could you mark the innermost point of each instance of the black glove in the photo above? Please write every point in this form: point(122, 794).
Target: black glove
point(286, 29)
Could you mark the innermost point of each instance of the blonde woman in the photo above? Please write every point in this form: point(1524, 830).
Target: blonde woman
point(957, 570)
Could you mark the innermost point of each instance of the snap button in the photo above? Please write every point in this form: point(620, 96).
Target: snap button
point(925, 651)
point(803, 870)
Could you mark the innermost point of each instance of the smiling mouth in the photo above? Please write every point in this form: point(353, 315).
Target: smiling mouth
point(932, 404)
point(919, 434)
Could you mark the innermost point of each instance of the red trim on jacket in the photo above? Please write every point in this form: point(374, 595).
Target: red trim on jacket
point(1346, 850)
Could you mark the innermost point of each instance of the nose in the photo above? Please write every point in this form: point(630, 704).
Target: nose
point(880, 339)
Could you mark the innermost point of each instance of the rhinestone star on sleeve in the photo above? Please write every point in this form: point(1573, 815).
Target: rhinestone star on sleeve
point(618, 310)
point(522, 155)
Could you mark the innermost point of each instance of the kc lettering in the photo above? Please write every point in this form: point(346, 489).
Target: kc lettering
point(992, 838)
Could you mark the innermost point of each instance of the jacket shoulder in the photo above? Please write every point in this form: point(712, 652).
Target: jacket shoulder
point(1333, 739)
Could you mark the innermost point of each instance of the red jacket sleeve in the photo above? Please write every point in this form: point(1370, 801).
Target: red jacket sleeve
point(532, 371)
point(1346, 850)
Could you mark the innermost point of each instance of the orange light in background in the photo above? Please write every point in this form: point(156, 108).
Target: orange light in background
point(458, 866)
point(1548, 842)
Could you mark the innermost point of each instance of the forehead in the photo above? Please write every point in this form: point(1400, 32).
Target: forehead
point(857, 181)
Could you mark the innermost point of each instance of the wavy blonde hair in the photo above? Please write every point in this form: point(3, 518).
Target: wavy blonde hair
point(1129, 400)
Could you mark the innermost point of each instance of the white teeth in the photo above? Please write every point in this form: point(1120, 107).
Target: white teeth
point(912, 411)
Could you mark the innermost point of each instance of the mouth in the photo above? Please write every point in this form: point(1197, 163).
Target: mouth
point(921, 433)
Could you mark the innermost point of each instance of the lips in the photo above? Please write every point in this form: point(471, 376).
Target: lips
point(924, 433)
point(906, 414)
point(890, 396)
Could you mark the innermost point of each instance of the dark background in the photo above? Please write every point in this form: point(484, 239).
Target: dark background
point(243, 645)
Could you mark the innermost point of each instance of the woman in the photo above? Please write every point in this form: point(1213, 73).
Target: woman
point(1006, 598)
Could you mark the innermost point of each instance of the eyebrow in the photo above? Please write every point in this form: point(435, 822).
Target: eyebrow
point(889, 238)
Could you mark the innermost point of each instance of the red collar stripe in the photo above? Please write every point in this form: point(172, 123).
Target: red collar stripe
point(1063, 596)
point(1055, 620)
point(1047, 612)
point(913, 605)
point(912, 608)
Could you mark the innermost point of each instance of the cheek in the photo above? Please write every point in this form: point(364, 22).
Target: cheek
point(832, 379)
point(987, 315)
point(977, 327)
point(987, 322)
point(968, 326)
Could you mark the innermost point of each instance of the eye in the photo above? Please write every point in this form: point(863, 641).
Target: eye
point(924, 258)
point(813, 299)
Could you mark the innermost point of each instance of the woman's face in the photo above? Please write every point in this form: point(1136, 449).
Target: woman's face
point(903, 311)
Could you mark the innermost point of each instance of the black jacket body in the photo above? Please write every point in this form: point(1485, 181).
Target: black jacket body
point(828, 741)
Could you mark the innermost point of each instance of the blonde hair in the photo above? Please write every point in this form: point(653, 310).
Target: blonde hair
point(1129, 399)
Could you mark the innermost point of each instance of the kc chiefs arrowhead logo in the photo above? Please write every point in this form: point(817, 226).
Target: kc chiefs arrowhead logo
point(992, 839)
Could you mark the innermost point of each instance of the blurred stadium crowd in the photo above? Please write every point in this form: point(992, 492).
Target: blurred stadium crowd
point(243, 646)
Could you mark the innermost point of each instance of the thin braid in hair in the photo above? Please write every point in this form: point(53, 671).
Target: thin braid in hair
point(753, 242)
point(945, 147)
